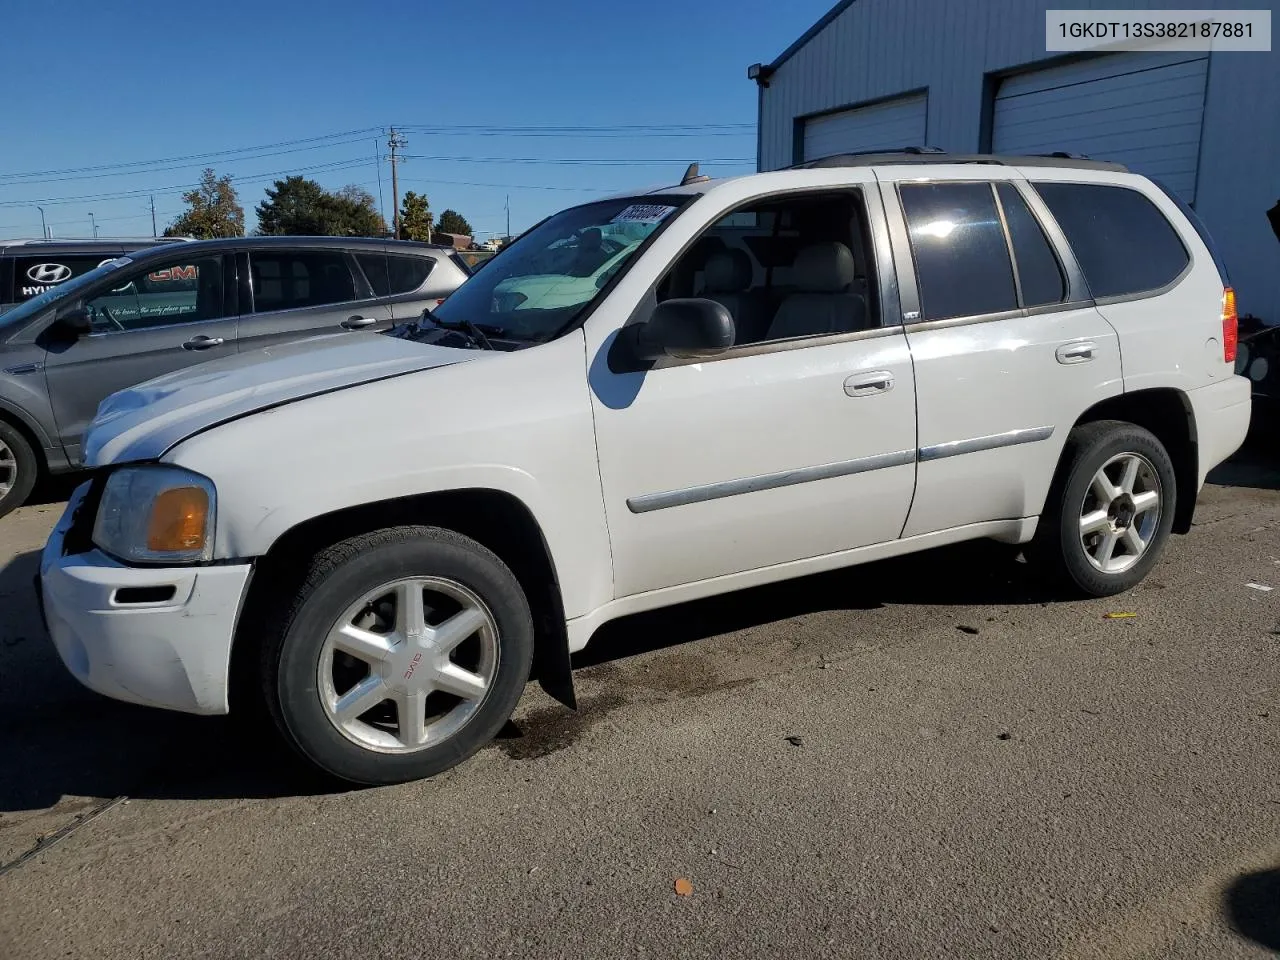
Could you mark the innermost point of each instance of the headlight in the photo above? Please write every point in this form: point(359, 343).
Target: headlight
point(156, 514)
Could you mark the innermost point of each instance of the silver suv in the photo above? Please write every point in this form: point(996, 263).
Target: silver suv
point(150, 312)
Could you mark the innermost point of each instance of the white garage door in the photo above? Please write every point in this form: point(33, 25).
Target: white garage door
point(1142, 111)
point(888, 125)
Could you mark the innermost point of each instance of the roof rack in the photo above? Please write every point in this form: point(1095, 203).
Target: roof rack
point(934, 155)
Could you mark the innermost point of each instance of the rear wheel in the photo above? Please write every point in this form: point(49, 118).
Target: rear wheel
point(1110, 510)
point(404, 652)
point(18, 468)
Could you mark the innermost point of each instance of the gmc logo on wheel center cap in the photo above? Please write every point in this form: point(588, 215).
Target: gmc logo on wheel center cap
point(48, 272)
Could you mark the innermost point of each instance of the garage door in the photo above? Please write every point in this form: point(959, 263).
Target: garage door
point(1142, 111)
point(887, 125)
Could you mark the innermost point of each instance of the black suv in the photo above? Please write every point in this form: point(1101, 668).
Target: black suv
point(28, 268)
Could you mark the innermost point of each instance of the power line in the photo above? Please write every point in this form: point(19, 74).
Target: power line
point(179, 166)
point(142, 192)
point(192, 156)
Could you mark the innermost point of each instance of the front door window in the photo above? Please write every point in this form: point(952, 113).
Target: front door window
point(182, 290)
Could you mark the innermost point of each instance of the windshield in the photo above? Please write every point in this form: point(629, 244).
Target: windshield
point(546, 278)
point(38, 304)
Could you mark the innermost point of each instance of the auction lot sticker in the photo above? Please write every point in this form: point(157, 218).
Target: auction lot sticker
point(644, 213)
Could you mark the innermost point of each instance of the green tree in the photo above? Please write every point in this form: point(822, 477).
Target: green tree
point(213, 210)
point(415, 217)
point(451, 221)
point(354, 213)
point(299, 207)
point(294, 207)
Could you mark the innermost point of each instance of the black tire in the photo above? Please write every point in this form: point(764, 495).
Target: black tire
point(1058, 545)
point(338, 577)
point(19, 471)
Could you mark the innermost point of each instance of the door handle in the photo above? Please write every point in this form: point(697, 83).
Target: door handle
point(869, 384)
point(203, 343)
point(358, 322)
point(1078, 352)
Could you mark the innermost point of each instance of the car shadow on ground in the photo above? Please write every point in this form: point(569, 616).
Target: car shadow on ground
point(58, 739)
point(1252, 906)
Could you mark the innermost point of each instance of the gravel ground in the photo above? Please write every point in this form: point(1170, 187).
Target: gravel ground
point(928, 757)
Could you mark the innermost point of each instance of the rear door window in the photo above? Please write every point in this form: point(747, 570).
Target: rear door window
point(290, 279)
point(1039, 274)
point(407, 273)
point(1124, 244)
point(374, 266)
point(962, 259)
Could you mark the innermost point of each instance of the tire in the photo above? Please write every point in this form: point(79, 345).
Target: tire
point(1075, 502)
point(315, 677)
point(19, 468)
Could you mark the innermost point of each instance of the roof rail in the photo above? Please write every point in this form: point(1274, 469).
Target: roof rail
point(31, 241)
point(933, 155)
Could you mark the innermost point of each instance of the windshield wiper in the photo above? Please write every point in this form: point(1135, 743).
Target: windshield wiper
point(475, 336)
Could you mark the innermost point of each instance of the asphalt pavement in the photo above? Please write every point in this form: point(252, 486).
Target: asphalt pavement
point(928, 757)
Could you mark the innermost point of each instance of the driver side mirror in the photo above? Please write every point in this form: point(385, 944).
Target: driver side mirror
point(75, 322)
point(688, 328)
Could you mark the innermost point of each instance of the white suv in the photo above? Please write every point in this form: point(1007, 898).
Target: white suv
point(387, 535)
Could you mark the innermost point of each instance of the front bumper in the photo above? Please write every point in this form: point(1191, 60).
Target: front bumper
point(173, 653)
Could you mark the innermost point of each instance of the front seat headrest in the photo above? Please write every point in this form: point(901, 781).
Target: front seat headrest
point(824, 268)
point(727, 271)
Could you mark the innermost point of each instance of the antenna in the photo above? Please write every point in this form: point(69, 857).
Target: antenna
point(691, 176)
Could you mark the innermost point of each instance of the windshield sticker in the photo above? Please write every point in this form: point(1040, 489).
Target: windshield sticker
point(644, 213)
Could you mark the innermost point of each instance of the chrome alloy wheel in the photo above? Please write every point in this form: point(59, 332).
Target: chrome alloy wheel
point(408, 664)
point(8, 469)
point(1121, 512)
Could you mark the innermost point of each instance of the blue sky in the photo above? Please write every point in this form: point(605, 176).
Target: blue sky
point(91, 84)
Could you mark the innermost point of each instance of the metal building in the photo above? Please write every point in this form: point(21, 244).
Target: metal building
point(972, 76)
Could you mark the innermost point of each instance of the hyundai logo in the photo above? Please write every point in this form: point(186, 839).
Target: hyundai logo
point(49, 273)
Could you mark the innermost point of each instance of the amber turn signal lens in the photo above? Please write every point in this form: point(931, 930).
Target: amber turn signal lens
point(1230, 326)
point(178, 519)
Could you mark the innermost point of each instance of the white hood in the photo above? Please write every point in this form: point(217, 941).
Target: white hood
point(142, 422)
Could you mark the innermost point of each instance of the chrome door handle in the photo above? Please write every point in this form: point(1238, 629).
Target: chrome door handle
point(358, 322)
point(1077, 352)
point(869, 384)
point(203, 343)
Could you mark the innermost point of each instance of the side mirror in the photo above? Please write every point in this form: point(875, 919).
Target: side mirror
point(685, 328)
point(75, 321)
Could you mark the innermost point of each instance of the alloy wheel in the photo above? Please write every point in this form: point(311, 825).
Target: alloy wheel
point(1121, 512)
point(408, 664)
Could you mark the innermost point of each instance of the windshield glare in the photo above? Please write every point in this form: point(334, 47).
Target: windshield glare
point(540, 283)
point(41, 302)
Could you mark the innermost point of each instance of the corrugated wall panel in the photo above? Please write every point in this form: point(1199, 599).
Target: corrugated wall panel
point(1119, 107)
point(887, 125)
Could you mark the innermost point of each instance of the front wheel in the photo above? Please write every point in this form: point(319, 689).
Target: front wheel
point(18, 469)
point(403, 653)
point(1110, 509)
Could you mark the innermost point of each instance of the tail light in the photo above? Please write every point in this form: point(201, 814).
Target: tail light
point(1230, 326)
point(440, 301)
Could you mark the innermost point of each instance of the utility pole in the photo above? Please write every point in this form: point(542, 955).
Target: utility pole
point(394, 143)
point(153, 214)
point(508, 236)
point(93, 224)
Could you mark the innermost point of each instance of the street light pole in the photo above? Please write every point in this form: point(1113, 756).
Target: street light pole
point(94, 225)
point(44, 227)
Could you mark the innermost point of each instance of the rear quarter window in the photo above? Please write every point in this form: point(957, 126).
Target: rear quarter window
point(1123, 243)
